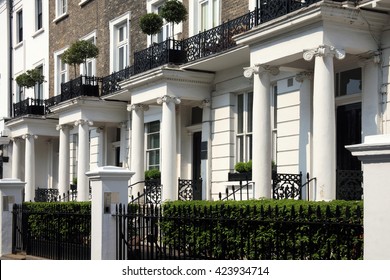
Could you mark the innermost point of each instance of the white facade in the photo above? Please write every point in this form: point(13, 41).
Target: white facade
point(315, 80)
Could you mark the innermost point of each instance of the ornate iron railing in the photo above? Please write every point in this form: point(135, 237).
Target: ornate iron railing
point(241, 192)
point(151, 193)
point(110, 83)
point(190, 189)
point(81, 86)
point(349, 184)
point(287, 186)
point(29, 106)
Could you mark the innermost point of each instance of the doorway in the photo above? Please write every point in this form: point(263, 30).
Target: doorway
point(196, 165)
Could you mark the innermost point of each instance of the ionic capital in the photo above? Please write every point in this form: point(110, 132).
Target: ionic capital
point(206, 103)
point(83, 122)
point(137, 107)
point(300, 77)
point(322, 51)
point(29, 136)
point(260, 69)
point(63, 127)
point(167, 99)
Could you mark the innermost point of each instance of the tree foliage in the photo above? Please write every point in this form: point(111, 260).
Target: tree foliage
point(174, 11)
point(30, 78)
point(79, 52)
point(151, 23)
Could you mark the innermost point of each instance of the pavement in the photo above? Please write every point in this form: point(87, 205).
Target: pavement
point(19, 257)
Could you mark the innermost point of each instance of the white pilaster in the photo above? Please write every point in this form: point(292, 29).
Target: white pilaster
point(83, 160)
point(64, 158)
point(137, 146)
point(324, 120)
point(16, 158)
point(262, 151)
point(168, 147)
point(305, 127)
point(29, 191)
point(205, 167)
point(370, 97)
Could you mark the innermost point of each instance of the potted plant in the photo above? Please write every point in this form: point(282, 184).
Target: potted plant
point(243, 172)
point(28, 80)
point(151, 24)
point(73, 186)
point(174, 12)
point(77, 54)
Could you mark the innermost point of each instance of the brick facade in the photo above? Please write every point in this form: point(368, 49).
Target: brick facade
point(95, 15)
point(232, 9)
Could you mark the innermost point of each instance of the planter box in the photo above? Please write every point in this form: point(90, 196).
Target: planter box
point(232, 176)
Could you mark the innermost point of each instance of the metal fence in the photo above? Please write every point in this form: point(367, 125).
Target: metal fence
point(149, 232)
point(54, 232)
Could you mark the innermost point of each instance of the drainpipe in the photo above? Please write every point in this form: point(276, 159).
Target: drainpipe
point(10, 61)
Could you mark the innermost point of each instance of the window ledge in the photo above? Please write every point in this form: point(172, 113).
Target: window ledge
point(61, 17)
point(18, 45)
point(83, 2)
point(38, 32)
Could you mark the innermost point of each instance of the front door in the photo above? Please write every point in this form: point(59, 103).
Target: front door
point(349, 174)
point(196, 162)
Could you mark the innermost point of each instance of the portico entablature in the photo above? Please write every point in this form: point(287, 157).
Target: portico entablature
point(281, 41)
point(186, 84)
point(94, 110)
point(34, 126)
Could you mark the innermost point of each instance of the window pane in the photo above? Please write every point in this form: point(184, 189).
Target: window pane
point(250, 112)
point(249, 147)
point(240, 148)
point(351, 82)
point(240, 113)
point(121, 56)
point(204, 15)
point(154, 127)
point(215, 13)
point(154, 141)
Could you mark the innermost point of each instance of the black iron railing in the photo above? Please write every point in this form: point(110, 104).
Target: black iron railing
point(81, 86)
point(110, 83)
point(189, 189)
point(271, 233)
point(151, 192)
point(29, 106)
point(287, 186)
point(349, 184)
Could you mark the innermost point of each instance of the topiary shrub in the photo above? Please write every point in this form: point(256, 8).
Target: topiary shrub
point(152, 174)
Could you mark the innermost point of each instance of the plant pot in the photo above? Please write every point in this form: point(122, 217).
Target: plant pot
point(245, 176)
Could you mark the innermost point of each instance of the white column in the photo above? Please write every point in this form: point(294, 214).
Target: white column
point(305, 127)
point(205, 168)
point(168, 147)
point(137, 146)
point(370, 97)
point(261, 148)
point(109, 188)
point(83, 160)
point(64, 157)
point(29, 190)
point(16, 158)
point(324, 120)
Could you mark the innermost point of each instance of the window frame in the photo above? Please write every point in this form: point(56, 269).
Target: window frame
point(91, 70)
point(19, 26)
point(59, 71)
point(213, 14)
point(38, 15)
point(61, 8)
point(38, 88)
point(150, 150)
point(244, 131)
point(116, 46)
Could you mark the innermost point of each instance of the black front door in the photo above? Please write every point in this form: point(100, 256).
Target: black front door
point(196, 162)
point(349, 176)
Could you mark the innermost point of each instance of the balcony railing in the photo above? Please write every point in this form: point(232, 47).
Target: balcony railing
point(29, 106)
point(204, 44)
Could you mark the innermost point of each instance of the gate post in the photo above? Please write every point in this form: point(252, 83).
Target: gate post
point(109, 186)
point(374, 154)
point(10, 193)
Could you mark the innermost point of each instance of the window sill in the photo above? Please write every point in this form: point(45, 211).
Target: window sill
point(60, 18)
point(18, 45)
point(83, 2)
point(38, 32)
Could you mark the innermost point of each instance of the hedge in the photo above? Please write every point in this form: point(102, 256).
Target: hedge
point(265, 229)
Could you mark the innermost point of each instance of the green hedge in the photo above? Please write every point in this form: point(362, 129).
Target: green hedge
point(69, 221)
point(265, 229)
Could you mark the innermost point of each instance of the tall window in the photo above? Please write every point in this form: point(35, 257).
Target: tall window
point(61, 73)
point(208, 14)
point(19, 94)
point(164, 32)
point(153, 145)
point(38, 15)
point(38, 90)
point(61, 7)
point(349, 82)
point(122, 46)
point(244, 126)
point(19, 26)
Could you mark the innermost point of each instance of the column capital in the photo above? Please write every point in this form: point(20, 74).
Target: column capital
point(63, 126)
point(15, 139)
point(205, 103)
point(260, 69)
point(167, 99)
point(300, 77)
point(28, 136)
point(137, 107)
point(323, 50)
point(82, 122)
point(373, 58)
